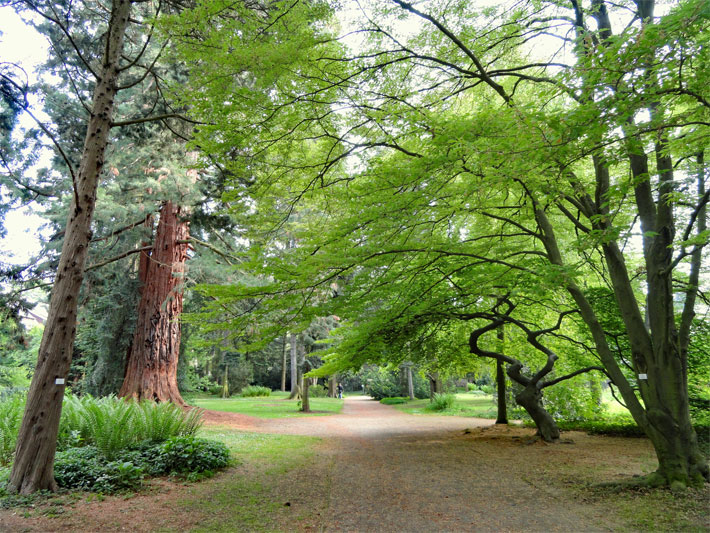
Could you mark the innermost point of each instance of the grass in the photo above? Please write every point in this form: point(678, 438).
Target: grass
point(274, 406)
point(476, 405)
point(259, 496)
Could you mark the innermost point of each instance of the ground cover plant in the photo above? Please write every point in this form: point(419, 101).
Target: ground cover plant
point(109, 444)
point(466, 404)
point(255, 390)
point(275, 406)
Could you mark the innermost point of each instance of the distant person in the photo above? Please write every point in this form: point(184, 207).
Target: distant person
point(340, 391)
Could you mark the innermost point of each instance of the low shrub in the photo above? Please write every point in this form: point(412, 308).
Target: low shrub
point(470, 387)
point(317, 391)
point(441, 402)
point(394, 401)
point(255, 390)
point(192, 455)
point(216, 390)
point(85, 468)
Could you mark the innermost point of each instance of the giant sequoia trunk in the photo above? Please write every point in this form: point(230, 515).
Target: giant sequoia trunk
point(151, 369)
point(33, 468)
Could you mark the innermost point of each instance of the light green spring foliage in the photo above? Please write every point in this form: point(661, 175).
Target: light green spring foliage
point(442, 402)
point(418, 200)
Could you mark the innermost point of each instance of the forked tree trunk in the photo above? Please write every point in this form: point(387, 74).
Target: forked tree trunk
point(151, 370)
point(33, 468)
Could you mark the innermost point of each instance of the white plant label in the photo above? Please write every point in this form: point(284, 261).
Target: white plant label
point(59, 381)
point(643, 376)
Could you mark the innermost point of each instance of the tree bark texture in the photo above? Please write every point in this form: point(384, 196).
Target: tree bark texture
point(284, 362)
point(502, 417)
point(530, 399)
point(410, 383)
point(33, 468)
point(151, 370)
point(294, 367)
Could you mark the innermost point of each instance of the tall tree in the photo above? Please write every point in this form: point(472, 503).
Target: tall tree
point(151, 369)
point(36, 442)
point(538, 167)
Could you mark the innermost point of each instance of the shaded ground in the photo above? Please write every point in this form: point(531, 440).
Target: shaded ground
point(377, 469)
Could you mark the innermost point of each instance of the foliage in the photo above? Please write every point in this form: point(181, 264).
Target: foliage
point(394, 401)
point(86, 468)
point(442, 402)
point(191, 454)
point(255, 390)
point(578, 398)
point(11, 410)
point(317, 391)
point(385, 383)
point(277, 406)
point(112, 424)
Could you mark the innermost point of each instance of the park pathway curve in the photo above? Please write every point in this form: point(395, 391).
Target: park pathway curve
point(395, 472)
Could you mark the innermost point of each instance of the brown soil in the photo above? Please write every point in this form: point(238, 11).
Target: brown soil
point(379, 470)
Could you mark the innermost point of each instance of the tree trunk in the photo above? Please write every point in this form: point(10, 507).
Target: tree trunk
point(502, 417)
point(151, 370)
point(410, 383)
point(294, 367)
point(33, 468)
point(530, 399)
point(305, 401)
point(284, 362)
point(436, 385)
point(332, 384)
point(225, 382)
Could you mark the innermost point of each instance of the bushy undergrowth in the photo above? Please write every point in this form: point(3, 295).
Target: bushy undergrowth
point(255, 390)
point(109, 444)
point(86, 468)
point(441, 402)
point(112, 424)
point(10, 417)
point(317, 391)
point(394, 401)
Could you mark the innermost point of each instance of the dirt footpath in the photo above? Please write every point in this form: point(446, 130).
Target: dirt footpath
point(395, 472)
point(380, 470)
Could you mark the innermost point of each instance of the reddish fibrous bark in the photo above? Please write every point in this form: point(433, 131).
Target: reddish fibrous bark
point(151, 368)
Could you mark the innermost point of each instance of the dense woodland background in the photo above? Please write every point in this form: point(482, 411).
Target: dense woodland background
point(405, 197)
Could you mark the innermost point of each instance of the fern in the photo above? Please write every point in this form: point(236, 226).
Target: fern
point(11, 410)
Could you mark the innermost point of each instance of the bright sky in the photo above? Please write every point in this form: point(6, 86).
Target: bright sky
point(21, 45)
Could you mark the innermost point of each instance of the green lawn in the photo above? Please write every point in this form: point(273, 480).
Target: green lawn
point(478, 405)
point(270, 471)
point(275, 406)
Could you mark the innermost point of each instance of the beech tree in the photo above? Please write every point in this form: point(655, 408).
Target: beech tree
point(551, 163)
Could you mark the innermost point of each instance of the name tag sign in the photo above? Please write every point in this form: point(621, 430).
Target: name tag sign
point(643, 376)
point(59, 381)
